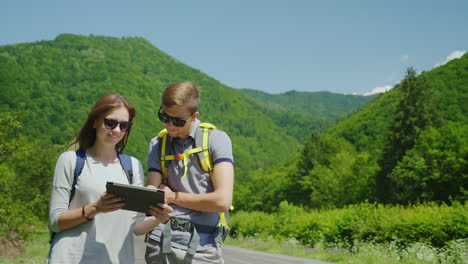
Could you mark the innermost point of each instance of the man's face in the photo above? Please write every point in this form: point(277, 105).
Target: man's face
point(175, 116)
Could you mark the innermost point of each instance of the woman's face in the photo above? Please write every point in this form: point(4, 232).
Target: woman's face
point(105, 134)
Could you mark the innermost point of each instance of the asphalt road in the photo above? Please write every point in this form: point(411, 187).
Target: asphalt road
point(236, 255)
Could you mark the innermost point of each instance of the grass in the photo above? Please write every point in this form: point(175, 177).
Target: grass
point(37, 248)
point(362, 252)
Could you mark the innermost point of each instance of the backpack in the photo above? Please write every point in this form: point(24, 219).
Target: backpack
point(201, 149)
point(125, 161)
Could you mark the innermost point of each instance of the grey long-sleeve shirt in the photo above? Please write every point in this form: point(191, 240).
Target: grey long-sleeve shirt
point(109, 237)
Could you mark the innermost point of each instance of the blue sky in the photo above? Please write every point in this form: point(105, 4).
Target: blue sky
point(274, 46)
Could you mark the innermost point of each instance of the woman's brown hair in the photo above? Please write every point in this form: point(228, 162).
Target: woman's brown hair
point(87, 135)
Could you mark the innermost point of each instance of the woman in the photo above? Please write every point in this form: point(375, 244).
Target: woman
point(89, 226)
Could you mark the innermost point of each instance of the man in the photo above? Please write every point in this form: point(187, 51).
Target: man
point(199, 199)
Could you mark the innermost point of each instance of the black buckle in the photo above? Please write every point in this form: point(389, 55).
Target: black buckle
point(181, 225)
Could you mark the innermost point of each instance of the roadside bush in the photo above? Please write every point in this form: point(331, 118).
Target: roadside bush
point(430, 223)
point(26, 168)
point(295, 222)
point(251, 224)
point(16, 220)
point(358, 222)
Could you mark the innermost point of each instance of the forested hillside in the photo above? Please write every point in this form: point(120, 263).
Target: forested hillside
point(407, 145)
point(50, 86)
point(307, 111)
point(321, 105)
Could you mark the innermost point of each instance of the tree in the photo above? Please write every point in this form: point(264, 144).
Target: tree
point(314, 153)
point(413, 115)
point(436, 168)
point(15, 216)
point(344, 178)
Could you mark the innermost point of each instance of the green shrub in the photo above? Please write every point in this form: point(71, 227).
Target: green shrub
point(357, 223)
point(251, 224)
point(430, 223)
point(295, 222)
point(16, 219)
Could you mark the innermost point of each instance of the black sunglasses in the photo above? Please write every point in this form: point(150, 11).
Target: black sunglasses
point(111, 124)
point(178, 122)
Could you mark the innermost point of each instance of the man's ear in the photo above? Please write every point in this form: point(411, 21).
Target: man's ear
point(195, 115)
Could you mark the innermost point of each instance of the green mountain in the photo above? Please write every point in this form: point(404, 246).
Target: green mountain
point(368, 128)
point(307, 111)
point(324, 105)
point(407, 145)
point(51, 85)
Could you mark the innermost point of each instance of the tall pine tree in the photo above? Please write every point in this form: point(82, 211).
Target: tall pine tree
point(414, 113)
point(313, 153)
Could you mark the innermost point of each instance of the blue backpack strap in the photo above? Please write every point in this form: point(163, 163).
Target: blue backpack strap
point(80, 159)
point(126, 162)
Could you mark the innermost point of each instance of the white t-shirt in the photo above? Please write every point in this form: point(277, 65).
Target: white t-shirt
point(108, 238)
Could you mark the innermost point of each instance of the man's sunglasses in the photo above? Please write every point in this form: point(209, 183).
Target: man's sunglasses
point(112, 123)
point(178, 122)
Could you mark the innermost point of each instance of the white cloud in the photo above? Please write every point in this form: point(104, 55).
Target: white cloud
point(382, 89)
point(379, 89)
point(454, 55)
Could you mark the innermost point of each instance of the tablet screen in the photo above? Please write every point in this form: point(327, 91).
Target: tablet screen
point(136, 198)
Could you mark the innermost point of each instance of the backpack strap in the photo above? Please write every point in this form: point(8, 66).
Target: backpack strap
point(201, 148)
point(80, 159)
point(203, 154)
point(126, 162)
point(163, 135)
point(206, 163)
point(201, 139)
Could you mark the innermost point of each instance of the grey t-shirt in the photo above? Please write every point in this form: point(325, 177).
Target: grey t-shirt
point(108, 238)
point(197, 181)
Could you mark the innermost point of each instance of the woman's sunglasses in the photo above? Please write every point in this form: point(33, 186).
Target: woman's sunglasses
point(111, 124)
point(178, 122)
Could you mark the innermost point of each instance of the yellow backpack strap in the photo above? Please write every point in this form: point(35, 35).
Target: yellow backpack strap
point(164, 157)
point(183, 156)
point(205, 159)
point(204, 156)
point(163, 135)
point(206, 162)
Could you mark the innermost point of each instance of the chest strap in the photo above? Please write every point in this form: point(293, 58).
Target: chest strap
point(180, 156)
point(201, 149)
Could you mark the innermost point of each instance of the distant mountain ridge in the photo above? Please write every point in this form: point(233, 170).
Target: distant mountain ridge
point(51, 85)
point(322, 104)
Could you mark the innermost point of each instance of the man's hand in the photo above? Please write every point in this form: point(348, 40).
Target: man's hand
point(169, 195)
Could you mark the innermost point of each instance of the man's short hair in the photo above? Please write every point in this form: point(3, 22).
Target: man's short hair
point(182, 94)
